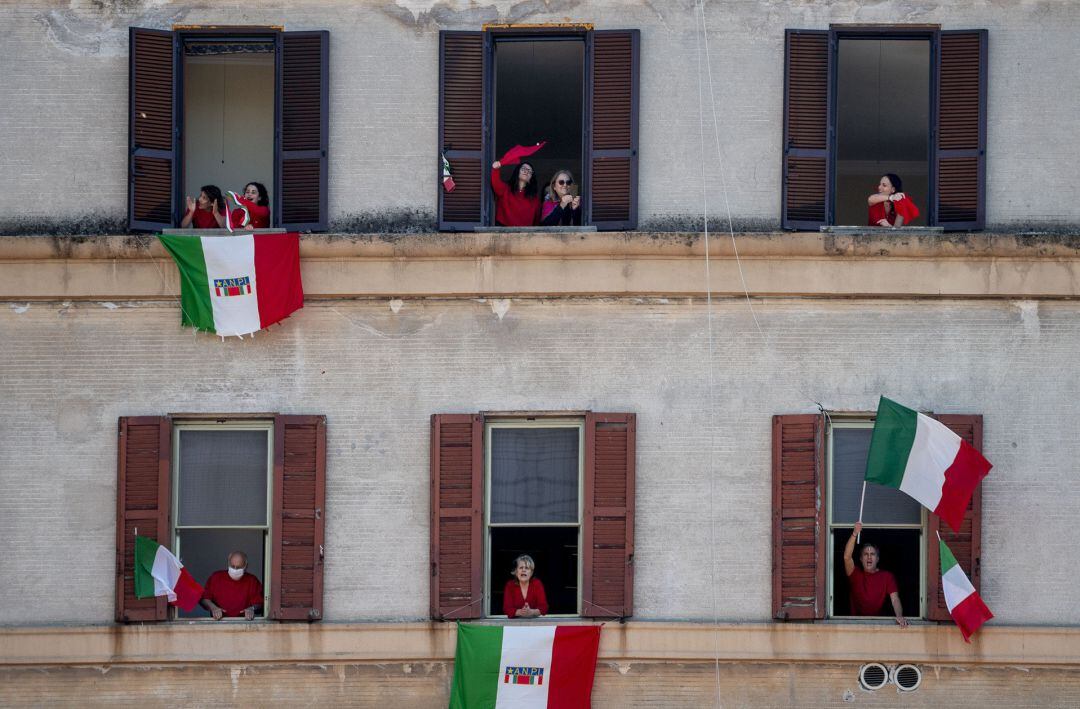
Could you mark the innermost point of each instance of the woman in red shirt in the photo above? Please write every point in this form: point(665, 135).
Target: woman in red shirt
point(890, 207)
point(523, 595)
point(256, 202)
point(208, 212)
point(517, 201)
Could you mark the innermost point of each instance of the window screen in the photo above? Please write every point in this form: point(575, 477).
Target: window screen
point(222, 478)
point(534, 475)
point(884, 505)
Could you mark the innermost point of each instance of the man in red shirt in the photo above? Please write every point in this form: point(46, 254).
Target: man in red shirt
point(870, 586)
point(232, 592)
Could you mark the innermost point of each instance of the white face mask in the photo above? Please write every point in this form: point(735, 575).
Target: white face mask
point(235, 574)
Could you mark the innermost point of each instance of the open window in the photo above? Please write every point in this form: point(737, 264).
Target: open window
point(227, 106)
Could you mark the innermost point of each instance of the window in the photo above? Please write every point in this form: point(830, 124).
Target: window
point(208, 485)
point(228, 106)
point(556, 487)
point(860, 102)
point(816, 474)
point(590, 118)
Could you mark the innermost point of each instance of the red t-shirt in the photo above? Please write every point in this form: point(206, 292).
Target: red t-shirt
point(513, 600)
point(233, 596)
point(513, 208)
point(203, 219)
point(904, 207)
point(870, 591)
point(260, 215)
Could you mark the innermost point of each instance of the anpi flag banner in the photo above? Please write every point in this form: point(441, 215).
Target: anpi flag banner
point(524, 666)
point(965, 605)
point(236, 285)
point(921, 456)
point(159, 573)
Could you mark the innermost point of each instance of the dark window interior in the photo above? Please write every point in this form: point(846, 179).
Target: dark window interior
point(882, 122)
point(899, 554)
point(555, 551)
point(204, 551)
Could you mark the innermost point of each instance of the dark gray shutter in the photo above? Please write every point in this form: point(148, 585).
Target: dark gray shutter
point(807, 192)
point(960, 131)
point(303, 131)
point(461, 130)
point(612, 160)
point(152, 135)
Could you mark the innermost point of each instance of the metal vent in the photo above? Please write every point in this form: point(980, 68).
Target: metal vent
point(907, 677)
point(874, 676)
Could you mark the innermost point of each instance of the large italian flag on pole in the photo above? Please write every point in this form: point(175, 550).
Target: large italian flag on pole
point(524, 666)
point(965, 605)
point(236, 285)
point(159, 573)
point(922, 457)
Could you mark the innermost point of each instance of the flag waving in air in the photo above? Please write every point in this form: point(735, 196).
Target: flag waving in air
point(922, 457)
point(965, 605)
point(514, 155)
point(159, 573)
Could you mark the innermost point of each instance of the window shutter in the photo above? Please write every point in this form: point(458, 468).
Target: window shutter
point(143, 487)
point(296, 569)
point(612, 160)
point(799, 534)
point(151, 129)
point(607, 546)
point(303, 131)
point(965, 544)
point(807, 190)
point(461, 129)
point(960, 131)
point(457, 525)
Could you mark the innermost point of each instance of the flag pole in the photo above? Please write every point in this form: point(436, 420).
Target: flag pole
point(861, 501)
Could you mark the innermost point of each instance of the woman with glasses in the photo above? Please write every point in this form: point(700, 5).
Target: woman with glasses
point(562, 207)
point(517, 202)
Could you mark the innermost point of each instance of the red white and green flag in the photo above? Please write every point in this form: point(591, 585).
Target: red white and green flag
point(965, 605)
point(237, 285)
point(922, 457)
point(159, 573)
point(524, 666)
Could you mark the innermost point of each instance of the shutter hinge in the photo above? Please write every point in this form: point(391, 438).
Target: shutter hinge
point(630, 560)
point(434, 571)
point(314, 613)
point(321, 555)
point(318, 513)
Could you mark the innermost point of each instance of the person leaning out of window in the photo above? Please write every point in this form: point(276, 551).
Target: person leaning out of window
point(207, 212)
point(523, 596)
point(233, 592)
point(517, 201)
point(256, 202)
point(870, 586)
point(562, 204)
point(890, 207)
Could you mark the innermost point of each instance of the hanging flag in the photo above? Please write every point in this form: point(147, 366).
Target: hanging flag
point(907, 209)
point(525, 667)
point(965, 605)
point(447, 180)
point(159, 573)
point(922, 457)
point(514, 155)
point(237, 285)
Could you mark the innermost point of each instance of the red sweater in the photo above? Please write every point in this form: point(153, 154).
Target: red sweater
point(905, 208)
point(260, 215)
point(513, 601)
point(513, 208)
point(233, 596)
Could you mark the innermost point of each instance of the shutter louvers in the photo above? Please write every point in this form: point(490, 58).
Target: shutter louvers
point(607, 561)
point(965, 544)
point(303, 107)
point(296, 569)
point(799, 535)
point(457, 474)
point(960, 150)
point(143, 487)
point(461, 129)
point(806, 189)
point(151, 129)
point(613, 138)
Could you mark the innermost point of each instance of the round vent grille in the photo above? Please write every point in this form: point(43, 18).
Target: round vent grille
point(873, 676)
point(907, 677)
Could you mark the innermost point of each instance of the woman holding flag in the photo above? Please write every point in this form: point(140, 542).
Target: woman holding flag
point(252, 208)
point(517, 201)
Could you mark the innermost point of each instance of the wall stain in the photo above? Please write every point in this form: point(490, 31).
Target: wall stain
point(99, 28)
point(442, 15)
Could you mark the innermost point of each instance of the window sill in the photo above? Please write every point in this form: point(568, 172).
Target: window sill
point(219, 232)
point(533, 229)
point(881, 230)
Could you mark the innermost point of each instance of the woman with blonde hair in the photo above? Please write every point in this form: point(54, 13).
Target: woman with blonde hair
point(523, 595)
point(562, 207)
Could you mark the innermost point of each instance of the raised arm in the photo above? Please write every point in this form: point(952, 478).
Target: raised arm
point(849, 549)
point(497, 184)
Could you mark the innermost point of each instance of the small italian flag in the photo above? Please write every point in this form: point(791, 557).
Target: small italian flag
point(159, 573)
point(525, 667)
point(921, 456)
point(965, 605)
point(237, 204)
point(236, 285)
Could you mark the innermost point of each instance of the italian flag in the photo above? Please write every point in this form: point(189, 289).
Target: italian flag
point(965, 605)
point(525, 667)
point(236, 285)
point(159, 573)
point(921, 456)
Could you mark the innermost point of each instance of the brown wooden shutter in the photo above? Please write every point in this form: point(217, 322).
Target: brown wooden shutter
point(799, 534)
point(612, 161)
point(960, 127)
point(807, 190)
point(457, 524)
point(143, 487)
point(967, 543)
point(151, 129)
point(297, 531)
point(461, 130)
point(607, 545)
point(303, 132)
